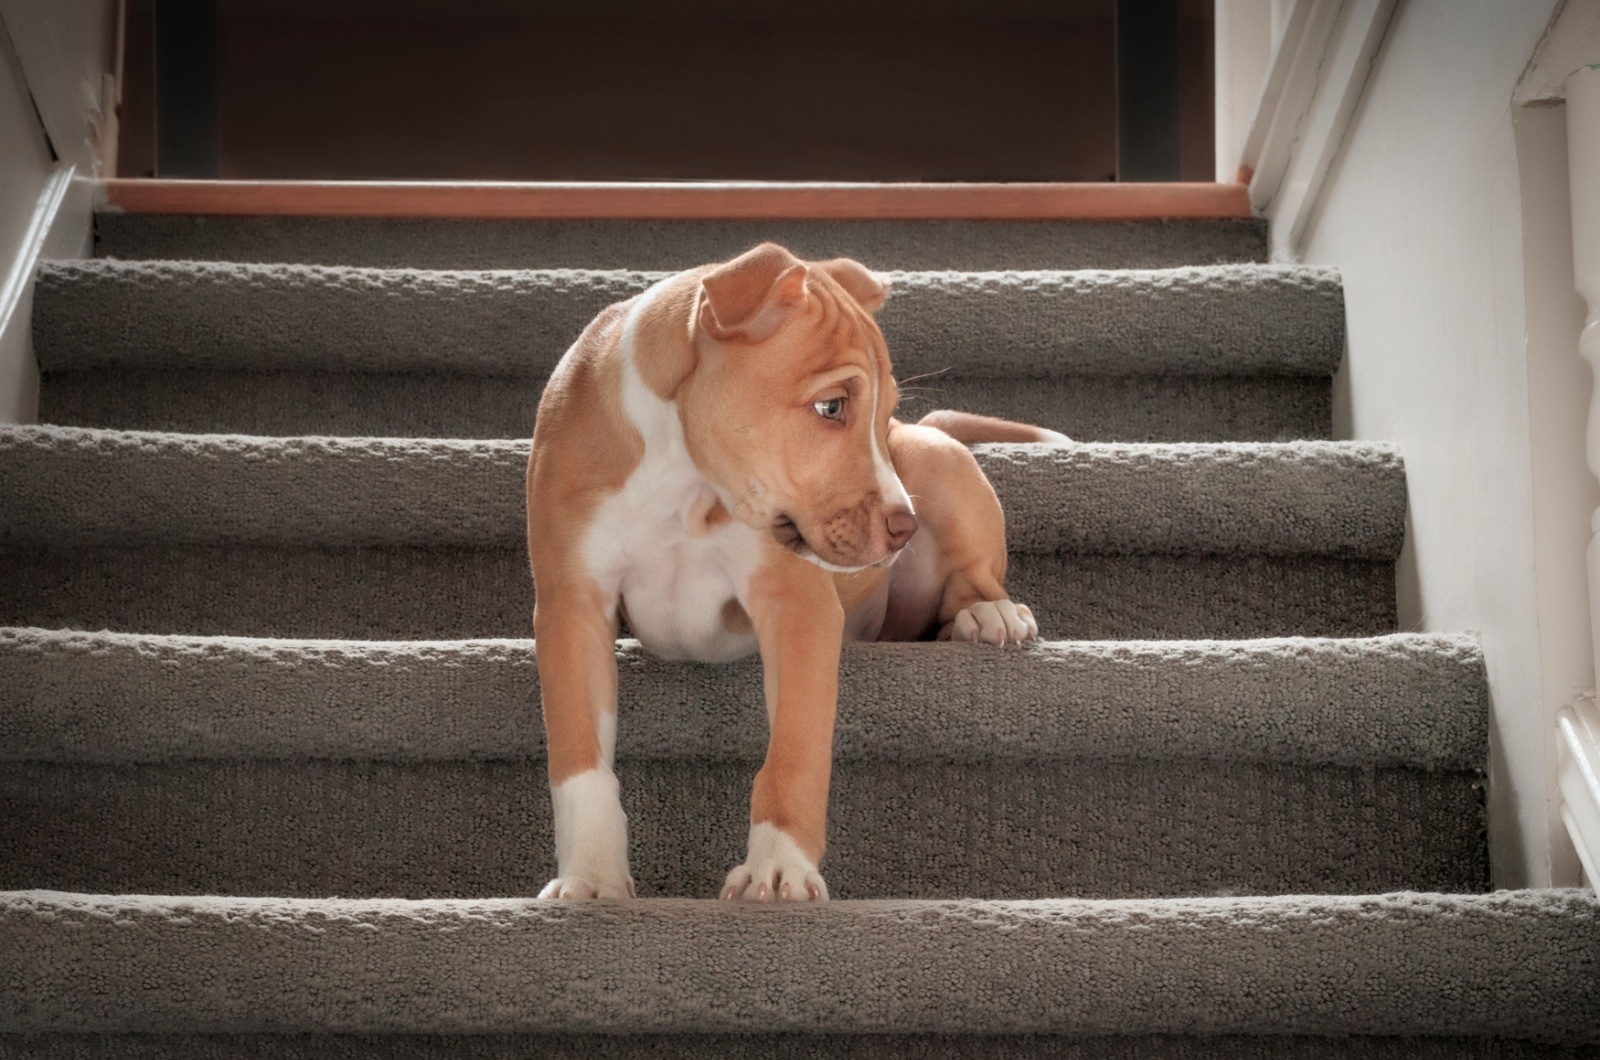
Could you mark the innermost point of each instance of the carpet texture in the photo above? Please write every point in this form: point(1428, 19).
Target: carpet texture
point(417, 593)
point(993, 829)
point(370, 537)
point(439, 244)
point(1411, 700)
point(1293, 965)
point(272, 777)
point(91, 487)
point(1111, 769)
point(1243, 352)
point(1120, 408)
point(1221, 320)
point(797, 1046)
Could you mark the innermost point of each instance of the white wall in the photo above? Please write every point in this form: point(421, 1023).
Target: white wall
point(1244, 40)
point(25, 166)
point(1440, 235)
point(55, 120)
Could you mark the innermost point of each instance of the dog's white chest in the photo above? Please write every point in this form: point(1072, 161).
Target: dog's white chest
point(679, 581)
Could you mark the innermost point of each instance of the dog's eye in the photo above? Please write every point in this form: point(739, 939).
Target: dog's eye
point(831, 409)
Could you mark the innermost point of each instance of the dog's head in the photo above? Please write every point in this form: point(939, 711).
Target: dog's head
point(788, 409)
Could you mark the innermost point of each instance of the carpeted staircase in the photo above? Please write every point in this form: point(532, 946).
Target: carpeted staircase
point(271, 778)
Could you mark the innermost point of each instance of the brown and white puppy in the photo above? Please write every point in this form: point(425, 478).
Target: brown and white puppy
point(717, 460)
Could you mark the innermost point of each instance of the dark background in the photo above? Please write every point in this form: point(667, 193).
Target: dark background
point(936, 90)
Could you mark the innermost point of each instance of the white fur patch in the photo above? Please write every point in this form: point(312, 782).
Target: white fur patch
point(995, 622)
point(591, 838)
point(775, 871)
point(649, 543)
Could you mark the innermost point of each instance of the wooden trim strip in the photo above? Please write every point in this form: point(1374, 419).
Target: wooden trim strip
point(649, 201)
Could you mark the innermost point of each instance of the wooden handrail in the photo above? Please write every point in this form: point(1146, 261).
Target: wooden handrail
point(678, 201)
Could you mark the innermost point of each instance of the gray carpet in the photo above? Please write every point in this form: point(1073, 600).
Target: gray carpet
point(998, 828)
point(1406, 700)
point(1110, 769)
point(1118, 408)
point(435, 244)
point(369, 537)
point(797, 1046)
point(1327, 965)
point(1220, 320)
point(89, 487)
point(404, 346)
point(1089, 847)
point(435, 593)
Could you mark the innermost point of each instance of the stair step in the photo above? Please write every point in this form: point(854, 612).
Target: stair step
point(424, 539)
point(433, 243)
point(83, 486)
point(1246, 351)
point(225, 765)
point(1405, 700)
point(1511, 964)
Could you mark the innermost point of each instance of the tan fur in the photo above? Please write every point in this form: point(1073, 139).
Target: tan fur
point(574, 627)
point(744, 351)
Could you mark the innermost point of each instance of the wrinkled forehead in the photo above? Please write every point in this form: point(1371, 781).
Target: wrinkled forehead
point(838, 333)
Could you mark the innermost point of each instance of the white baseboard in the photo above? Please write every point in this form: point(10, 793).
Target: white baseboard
point(61, 226)
point(1317, 75)
point(1578, 732)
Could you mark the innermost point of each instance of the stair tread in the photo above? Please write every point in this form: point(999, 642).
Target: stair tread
point(1513, 964)
point(421, 242)
point(1193, 321)
point(89, 487)
point(1406, 700)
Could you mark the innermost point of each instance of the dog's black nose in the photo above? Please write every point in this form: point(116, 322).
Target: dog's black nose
point(901, 524)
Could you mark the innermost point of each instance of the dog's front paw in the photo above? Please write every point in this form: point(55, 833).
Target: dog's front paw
point(992, 622)
point(776, 871)
point(578, 887)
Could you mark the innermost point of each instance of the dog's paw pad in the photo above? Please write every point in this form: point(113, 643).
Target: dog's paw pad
point(994, 622)
point(578, 887)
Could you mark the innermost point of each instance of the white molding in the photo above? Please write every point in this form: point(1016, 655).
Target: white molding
point(1578, 727)
point(1285, 94)
point(1578, 780)
point(1572, 40)
point(47, 236)
point(1243, 49)
point(33, 244)
point(77, 107)
point(59, 227)
point(1313, 85)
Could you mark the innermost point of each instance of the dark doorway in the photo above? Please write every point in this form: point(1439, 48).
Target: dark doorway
point(921, 90)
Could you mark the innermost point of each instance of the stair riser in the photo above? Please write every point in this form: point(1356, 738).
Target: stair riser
point(761, 1047)
point(1243, 320)
point(433, 244)
point(117, 699)
point(1016, 830)
point(433, 594)
point(1515, 964)
point(1087, 408)
point(74, 487)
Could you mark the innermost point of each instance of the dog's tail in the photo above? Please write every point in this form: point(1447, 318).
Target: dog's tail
point(969, 428)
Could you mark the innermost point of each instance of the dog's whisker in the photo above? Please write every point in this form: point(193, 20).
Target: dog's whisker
point(901, 383)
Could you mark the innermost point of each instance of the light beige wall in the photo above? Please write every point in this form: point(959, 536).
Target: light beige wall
point(56, 118)
point(1424, 212)
point(25, 166)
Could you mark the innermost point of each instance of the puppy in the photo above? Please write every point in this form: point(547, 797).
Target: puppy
point(716, 460)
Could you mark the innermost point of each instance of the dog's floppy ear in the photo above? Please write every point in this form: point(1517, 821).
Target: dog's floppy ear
point(747, 298)
point(859, 282)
